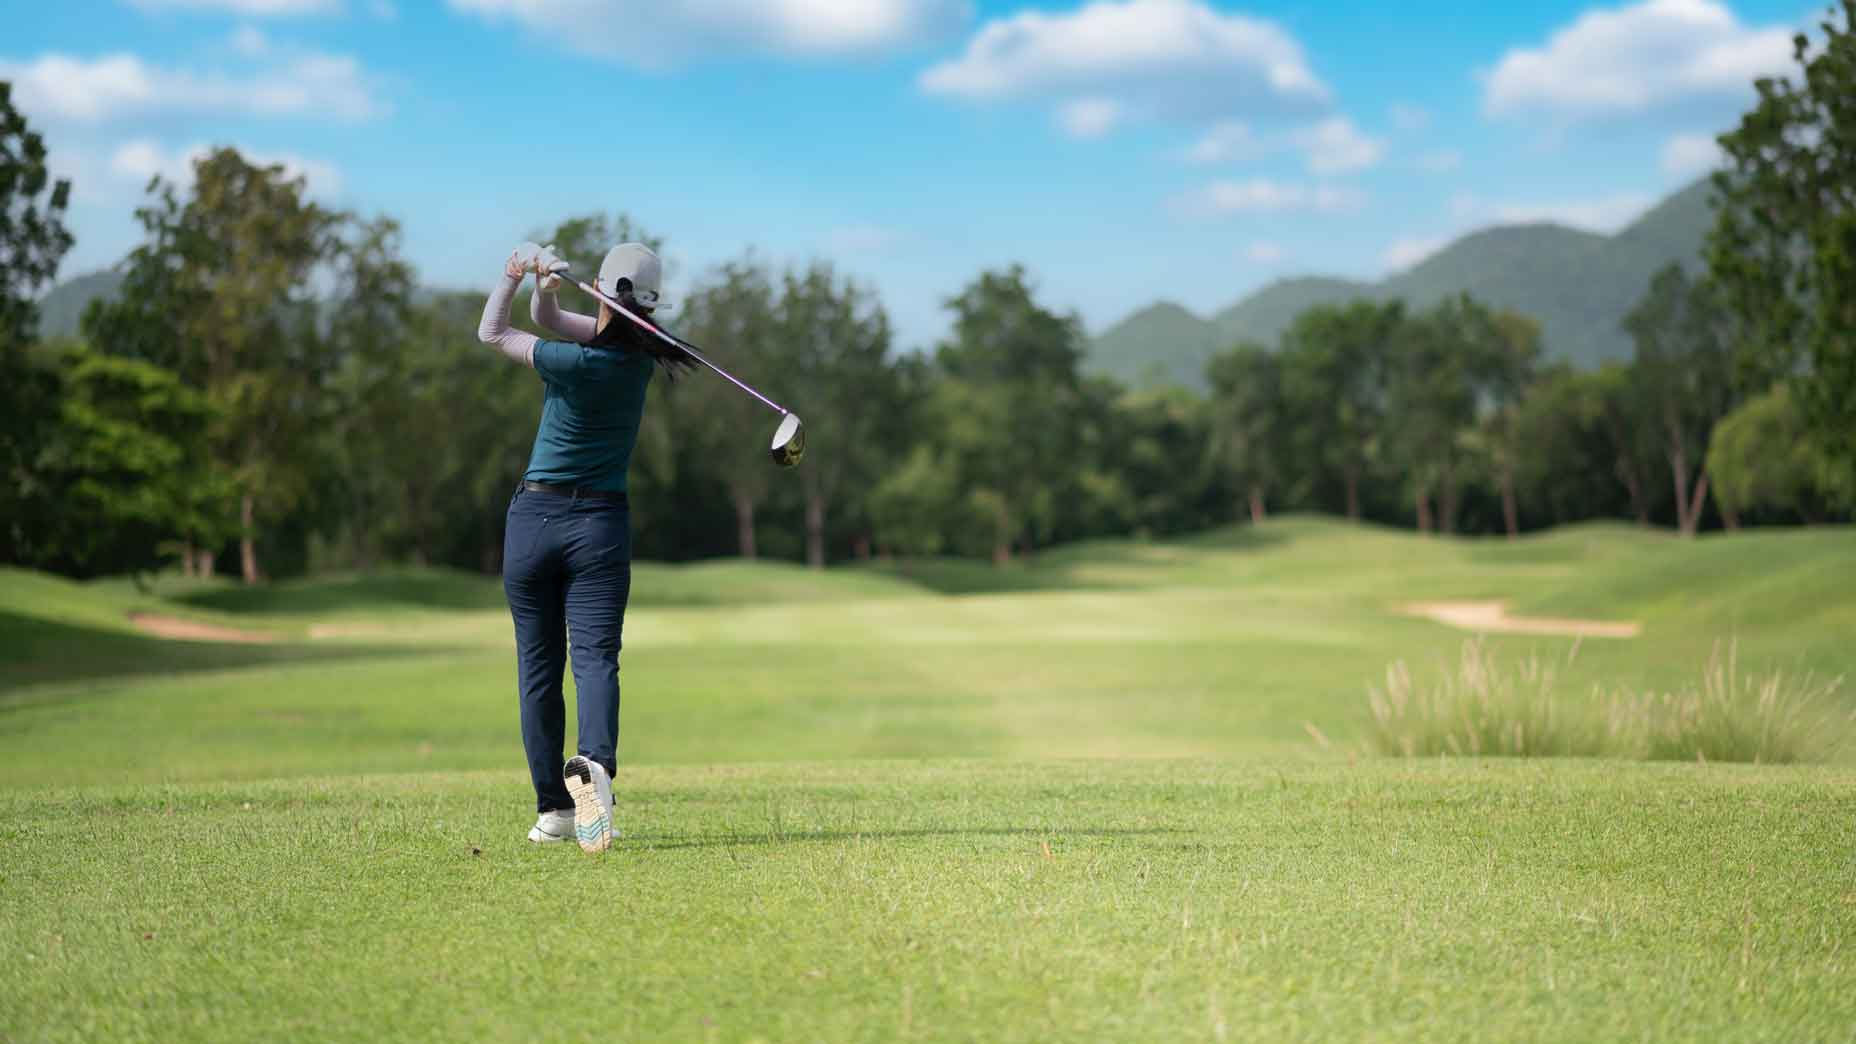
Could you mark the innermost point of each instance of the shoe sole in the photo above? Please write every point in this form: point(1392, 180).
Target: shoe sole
point(592, 824)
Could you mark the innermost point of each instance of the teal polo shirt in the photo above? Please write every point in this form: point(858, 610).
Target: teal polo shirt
point(592, 403)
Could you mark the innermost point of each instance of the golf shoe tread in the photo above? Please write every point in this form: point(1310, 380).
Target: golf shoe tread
point(592, 809)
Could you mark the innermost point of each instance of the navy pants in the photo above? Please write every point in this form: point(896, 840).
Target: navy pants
point(567, 569)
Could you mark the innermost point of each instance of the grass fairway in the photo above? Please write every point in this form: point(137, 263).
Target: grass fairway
point(1076, 799)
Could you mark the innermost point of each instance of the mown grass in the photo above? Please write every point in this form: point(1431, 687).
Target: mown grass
point(1222, 646)
point(1073, 799)
point(994, 901)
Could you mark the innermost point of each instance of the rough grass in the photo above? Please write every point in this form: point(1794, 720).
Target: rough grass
point(1485, 707)
point(1774, 718)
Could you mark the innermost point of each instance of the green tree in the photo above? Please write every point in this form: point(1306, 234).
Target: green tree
point(1010, 410)
point(220, 293)
point(1431, 403)
point(1454, 376)
point(1153, 473)
point(1249, 433)
point(127, 463)
point(733, 317)
point(831, 339)
point(397, 386)
point(1683, 379)
point(1784, 244)
point(1765, 456)
point(31, 385)
point(1512, 366)
point(1634, 436)
point(1335, 361)
point(33, 240)
point(917, 504)
point(1566, 464)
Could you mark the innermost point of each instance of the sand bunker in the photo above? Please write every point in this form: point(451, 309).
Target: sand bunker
point(1493, 618)
point(193, 630)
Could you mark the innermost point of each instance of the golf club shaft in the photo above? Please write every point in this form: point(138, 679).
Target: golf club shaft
point(675, 342)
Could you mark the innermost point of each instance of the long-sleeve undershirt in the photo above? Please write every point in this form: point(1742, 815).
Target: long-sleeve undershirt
point(494, 327)
point(548, 313)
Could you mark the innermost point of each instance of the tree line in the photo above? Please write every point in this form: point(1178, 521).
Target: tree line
point(272, 392)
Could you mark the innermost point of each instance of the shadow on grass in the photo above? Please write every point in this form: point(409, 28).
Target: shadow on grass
point(400, 589)
point(34, 651)
point(1239, 538)
point(665, 842)
point(1068, 568)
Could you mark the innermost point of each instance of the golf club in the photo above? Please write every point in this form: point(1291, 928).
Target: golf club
point(789, 439)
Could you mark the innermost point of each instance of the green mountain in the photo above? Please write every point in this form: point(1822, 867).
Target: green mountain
point(1264, 315)
point(60, 310)
point(1160, 344)
point(1578, 284)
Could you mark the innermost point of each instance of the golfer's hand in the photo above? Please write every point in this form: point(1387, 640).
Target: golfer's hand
point(516, 265)
point(547, 270)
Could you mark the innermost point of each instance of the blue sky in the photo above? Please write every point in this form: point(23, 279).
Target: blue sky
point(1123, 150)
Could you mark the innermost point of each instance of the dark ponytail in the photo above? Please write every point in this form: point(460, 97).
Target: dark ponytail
point(622, 335)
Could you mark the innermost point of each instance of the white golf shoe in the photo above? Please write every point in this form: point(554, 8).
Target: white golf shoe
point(592, 793)
point(551, 827)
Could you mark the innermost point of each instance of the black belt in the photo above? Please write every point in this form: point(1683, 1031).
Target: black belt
point(574, 491)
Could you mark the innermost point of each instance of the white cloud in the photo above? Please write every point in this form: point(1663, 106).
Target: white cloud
point(1264, 252)
point(1443, 161)
point(1410, 118)
point(1686, 155)
point(1336, 146)
point(1227, 140)
point(1088, 117)
point(142, 159)
point(656, 35)
point(250, 41)
point(1603, 214)
point(1160, 59)
point(1261, 195)
point(254, 8)
point(1634, 59)
point(123, 86)
point(1408, 252)
point(1332, 146)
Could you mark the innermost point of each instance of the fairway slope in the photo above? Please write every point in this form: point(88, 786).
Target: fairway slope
point(1229, 644)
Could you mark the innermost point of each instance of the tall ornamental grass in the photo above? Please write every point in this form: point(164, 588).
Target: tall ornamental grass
point(1485, 707)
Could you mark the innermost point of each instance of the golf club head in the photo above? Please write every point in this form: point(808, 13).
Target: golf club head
point(789, 441)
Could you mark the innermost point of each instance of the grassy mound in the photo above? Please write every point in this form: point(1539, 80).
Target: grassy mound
point(1219, 646)
point(54, 630)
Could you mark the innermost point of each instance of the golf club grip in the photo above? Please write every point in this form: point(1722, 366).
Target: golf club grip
point(673, 341)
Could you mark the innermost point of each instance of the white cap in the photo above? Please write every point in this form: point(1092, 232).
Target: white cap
point(635, 263)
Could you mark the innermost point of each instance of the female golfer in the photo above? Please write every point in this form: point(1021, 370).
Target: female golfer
point(567, 548)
